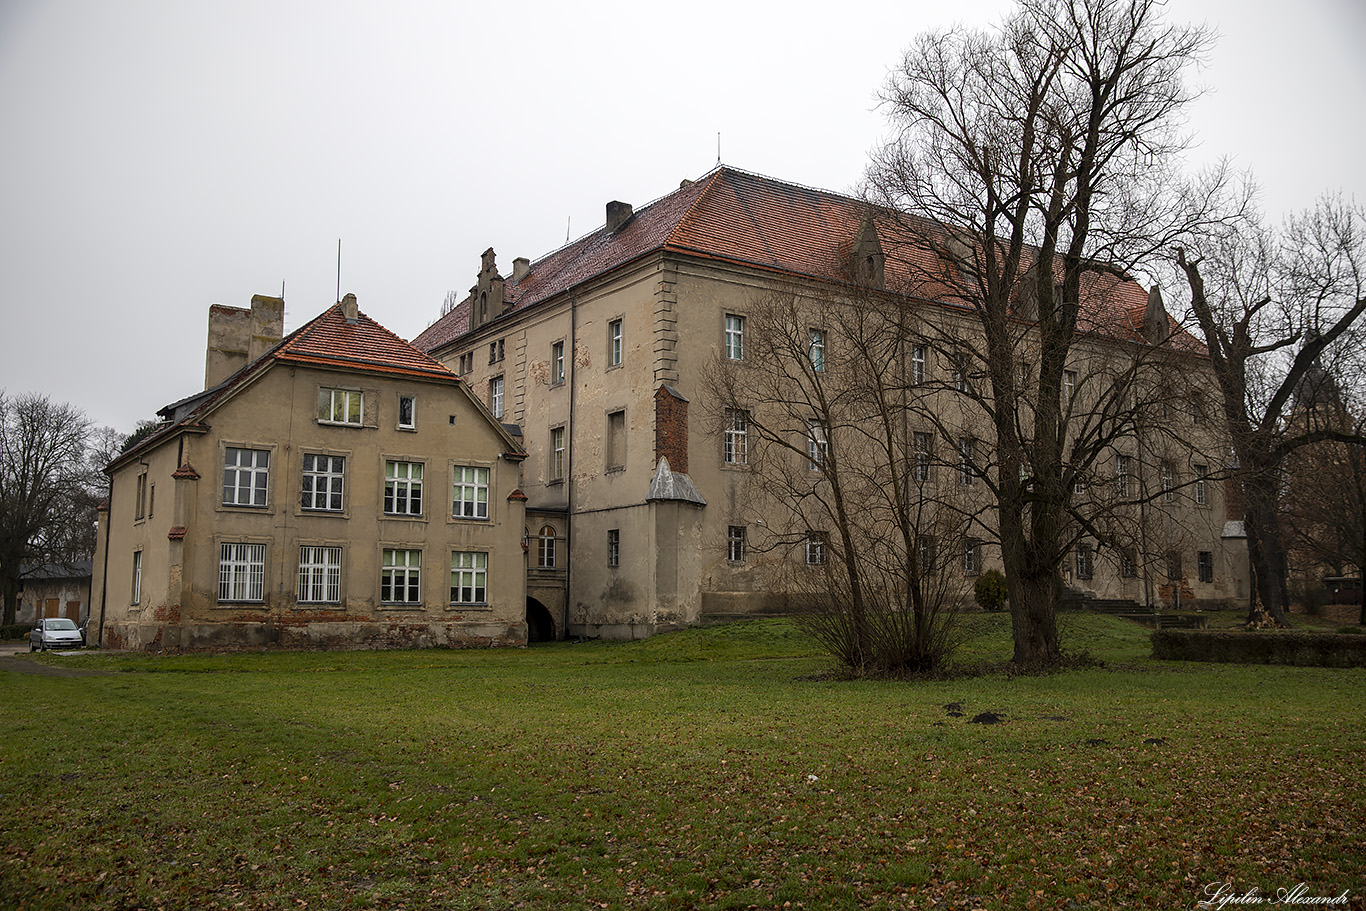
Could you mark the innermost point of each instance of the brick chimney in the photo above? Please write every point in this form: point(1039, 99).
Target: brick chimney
point(349, 309)
point(618, 214)
point(521, 268)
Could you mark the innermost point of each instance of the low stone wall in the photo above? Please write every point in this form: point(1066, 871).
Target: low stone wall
point(324, 636)
point(1264, 647)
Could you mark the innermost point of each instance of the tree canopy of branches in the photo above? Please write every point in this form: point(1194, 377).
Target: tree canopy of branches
point(820, 421)
point(1281, 313)
point(46, 508)
point(1047, 149)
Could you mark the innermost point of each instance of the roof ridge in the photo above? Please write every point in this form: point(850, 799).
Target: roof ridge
point(711, 177)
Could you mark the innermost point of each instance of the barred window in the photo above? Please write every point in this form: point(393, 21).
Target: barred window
point(469, 577)
point(614, 547)
point(471, 493)
point(242, 572)
point(403, 488)
point(400, 580)
point(319, 575)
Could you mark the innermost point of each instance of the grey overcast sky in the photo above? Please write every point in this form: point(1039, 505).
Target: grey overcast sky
point(162, 155)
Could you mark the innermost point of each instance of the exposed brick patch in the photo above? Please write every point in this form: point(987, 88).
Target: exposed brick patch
point(177, 533)
point(671, 428)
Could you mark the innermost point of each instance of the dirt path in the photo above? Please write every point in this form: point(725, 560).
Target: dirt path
point(24, 666)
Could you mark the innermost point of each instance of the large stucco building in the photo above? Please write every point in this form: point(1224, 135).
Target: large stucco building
point(639, 501)
point(336, 488)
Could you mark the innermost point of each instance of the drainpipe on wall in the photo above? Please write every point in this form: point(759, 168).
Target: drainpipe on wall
point(569, 462)
point(104, 576)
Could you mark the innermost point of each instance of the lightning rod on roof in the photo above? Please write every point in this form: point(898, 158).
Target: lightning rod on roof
point(567, 222)
point(339, 269)
point(718, 147)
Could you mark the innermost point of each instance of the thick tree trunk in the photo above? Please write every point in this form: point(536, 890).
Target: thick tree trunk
point(1266, 551)
point(11, 587)
point(1034, 593)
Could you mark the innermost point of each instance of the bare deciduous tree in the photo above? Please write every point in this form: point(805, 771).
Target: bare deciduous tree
point(1281, 313)
point(1047, 150)
point(46, 513)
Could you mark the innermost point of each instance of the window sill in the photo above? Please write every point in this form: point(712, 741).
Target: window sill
point(403, 517)
point(405, 605)
point(358, 426)
point(469, 607)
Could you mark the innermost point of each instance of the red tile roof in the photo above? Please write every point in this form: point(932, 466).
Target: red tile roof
point(747, 219)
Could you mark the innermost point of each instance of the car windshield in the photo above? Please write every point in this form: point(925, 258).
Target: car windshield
point(60, 623)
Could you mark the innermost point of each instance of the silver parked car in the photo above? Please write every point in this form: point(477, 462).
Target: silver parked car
point(55, 632)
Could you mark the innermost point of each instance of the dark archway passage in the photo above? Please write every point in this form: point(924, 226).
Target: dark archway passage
point(540, 627)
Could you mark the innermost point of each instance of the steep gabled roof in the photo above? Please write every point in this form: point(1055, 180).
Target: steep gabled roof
point(329, 340)
point(746, 219)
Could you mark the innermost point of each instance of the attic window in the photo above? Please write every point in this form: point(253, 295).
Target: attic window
point(340, 406)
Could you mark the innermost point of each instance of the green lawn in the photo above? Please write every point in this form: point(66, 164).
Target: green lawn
point(714, 768)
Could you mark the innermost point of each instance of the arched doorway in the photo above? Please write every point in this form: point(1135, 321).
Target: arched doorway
point(540, 626)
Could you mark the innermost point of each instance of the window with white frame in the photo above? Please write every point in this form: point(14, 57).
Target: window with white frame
point(1069, 386)
point(815, 548)
point(545, 547)
point(1083, 555)
point(817, 446)
point(1122, 469)
point(319, 574)
point(242, 572)
point(1168, 475)
point(323, 478)
point(1201, 493)
point(972, 557)
point(1079, 482)
point(966, 445)
point(341, 406)
point(496, 396)
point(400, 579)
point(246, 476)
point(925, 554)
point(735, 337)
point(614, 343)
point(960, 372)
point(402, 488)
point(735, 543)
point(816, 349)
point(407, 412)
point(614, 547)
point(469, 577)
point(920, 443)
point(557, 363)
point(470, 499)
point(919, 354)
point(737, 437)
point(557, 454)
point(137, 577)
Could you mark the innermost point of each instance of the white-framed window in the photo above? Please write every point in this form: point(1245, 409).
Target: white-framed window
point(496, 396)
point(241, 572)
point(919, 354)
point(341, 406)
point(735, 543)
point(319, 574)
point(920, 443)
point(816, 349)
point(1122, 469)
point(402, 488)
point(137, 577)
point(1083, 561)
point(1201, 493)
point(557, 453)
point(246, 476)
point(1079, 483)
point(323, 479)
point(816, 551)
point(470, 498)
point(545, 547)
point(614, 547)
point(400, 579)
point(972, 557)
point(960, 372)
point(735, 337)
point(614, 343)
point(1069, 386)
point(557, 363)
point(966, 445)
point(1168, 475)
point(817, 446)
point(469, 577)
point(737, 437)
point(407, 412)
